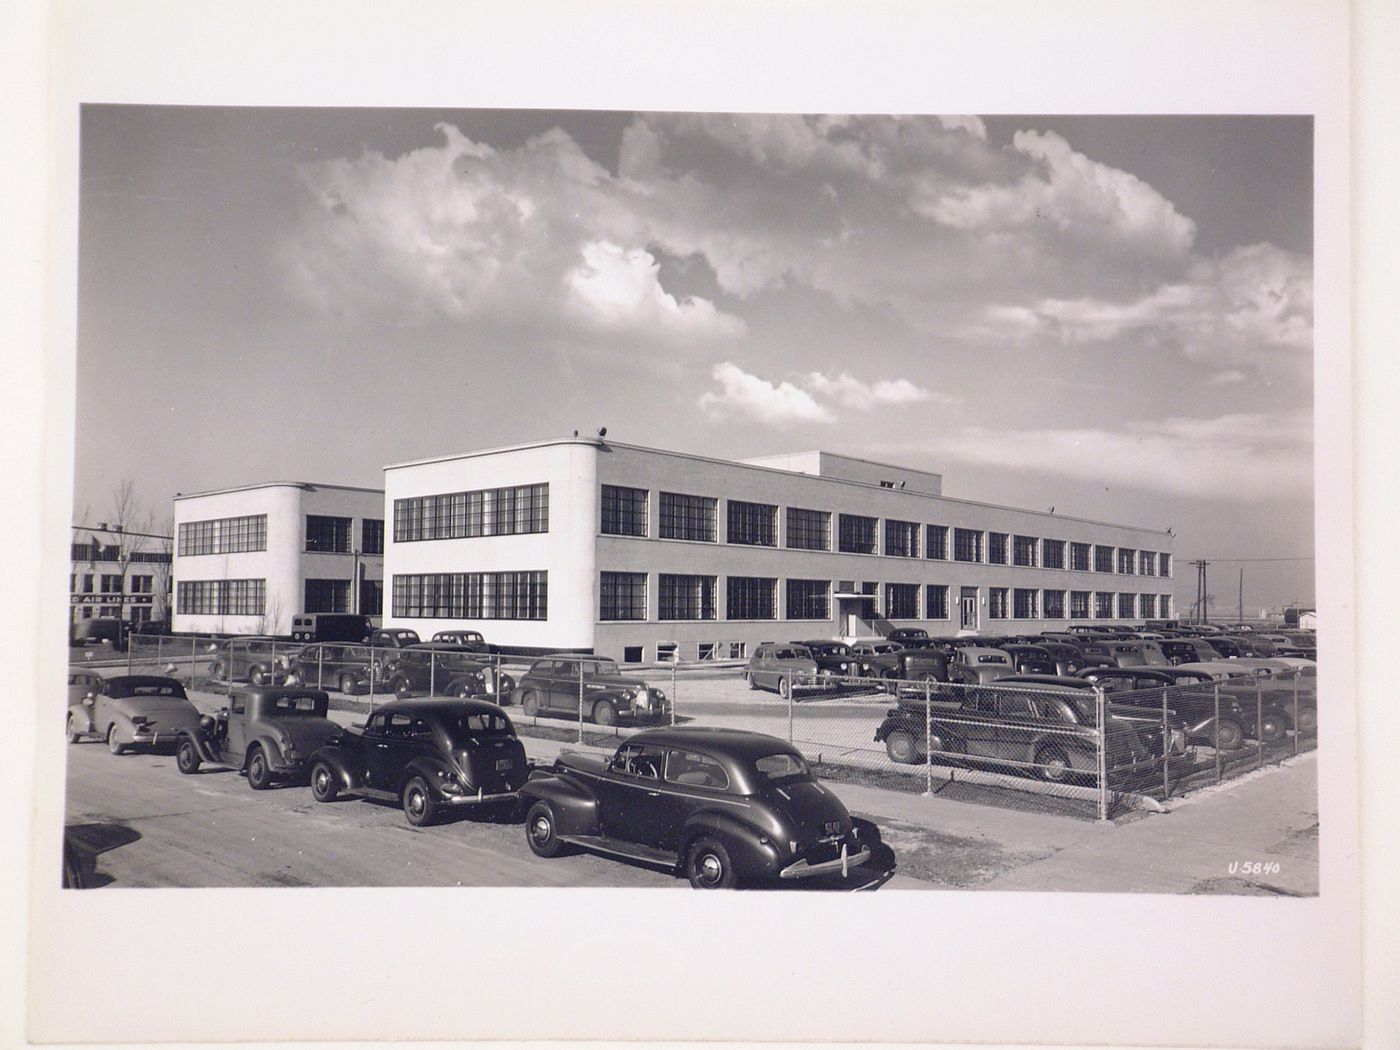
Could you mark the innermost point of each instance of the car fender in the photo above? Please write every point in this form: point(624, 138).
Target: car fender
point(342, 765)
point(201, 745)
point(575, 808)
point(82, 717)
point(430, 769)
point(270, 747)
point(897, 722)
point(750, 856)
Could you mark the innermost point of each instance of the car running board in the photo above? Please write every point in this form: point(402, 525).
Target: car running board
point(620, 848)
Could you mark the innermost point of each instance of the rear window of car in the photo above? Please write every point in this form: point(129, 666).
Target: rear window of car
point(172, 689)
point(781, 765)
point(991, 659)
point(478, 724)
point(294, 705)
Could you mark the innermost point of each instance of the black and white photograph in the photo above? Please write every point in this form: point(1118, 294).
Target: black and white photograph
point(926, 522)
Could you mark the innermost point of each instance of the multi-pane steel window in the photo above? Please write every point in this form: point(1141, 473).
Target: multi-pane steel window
point(685, 597)
point(223, 535)
point(473, 595)
point(996, 603)
point(326, 596)
point(967, 545)
point(1052, 553)
point(622, 596)
point(1078, 605)
point(1147, 606)
point(1147, 563)
point(996, 548)
point(1164, 605)
point(1079, 557)
point(1023, 550)
point(936, 542)
point(371, 597)
point(809, 599)
point(754, 524)
point(1054, 604)
point(1025, 603)
point(687, 517)
point(624, 511)
point(936, 601)
point(111, 584)
point(1103, 605)
point(856, 534)
point(221, 597)
point(808, 530)
point(1103, 558)
point(1127, 561)
point(1164, 564)
point(902, 601)
point(1127, 606)
point(142, 585)
point(328, 534)
point(372, 536)
point(751, 598)
point(901, 539)
point(514, 510)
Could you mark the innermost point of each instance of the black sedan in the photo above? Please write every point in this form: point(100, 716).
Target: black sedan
point(718, 805)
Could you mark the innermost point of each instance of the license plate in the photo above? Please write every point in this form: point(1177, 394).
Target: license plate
point(503, 763)
point(833, 827)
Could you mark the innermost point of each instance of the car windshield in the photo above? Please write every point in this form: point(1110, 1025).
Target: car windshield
point(780, 766)
point(831, 650)
point(171, 689)
point(477, 724)
point(885, 648)
point(294, 705)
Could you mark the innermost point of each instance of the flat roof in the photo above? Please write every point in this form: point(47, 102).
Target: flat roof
point(743, 465)
point(309, 486)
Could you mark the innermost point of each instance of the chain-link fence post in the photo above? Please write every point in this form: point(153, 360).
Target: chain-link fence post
point(928, 736)
point(194, 658)
point(580, 701)
point(788, 675)
point(1218, 770)
point(1296, 728)
point(373, 676)
point(1101, 715)
point(128, 648)
point(432, 673)
point(1259, 723)
point(674, 696)
point(320, 667)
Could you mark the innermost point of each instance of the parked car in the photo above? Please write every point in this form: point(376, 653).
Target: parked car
point(975, 665)
point(551, 687)
point(1123, 653)
point(394, 638)
point(132, 711)
point(919, 665)
point(1261, 710)
point(717, 805)
point(472, 641)
point(1163, 732)
point(349, 668)
point(1195, 707)
point(331, 627)
point(445, 670)
point(908, 636)
point(1187, 651)
point(430, 756)
point(1030, 659)
point(1068, 658)
point(785, 668)
point(1036, 729)
point(100, 630)
point(256, 659)
point(81, 682)
point(876, 659)
point(834, 659)
point(266, 733)
point(1227, 646)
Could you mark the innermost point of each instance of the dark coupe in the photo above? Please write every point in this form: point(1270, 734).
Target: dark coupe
point(268, 734)
point(718, 805)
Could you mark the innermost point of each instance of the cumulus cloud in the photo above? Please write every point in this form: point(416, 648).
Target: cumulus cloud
point(747, 395)
point(1255, 456)
point(619, 288)
point(811, 399)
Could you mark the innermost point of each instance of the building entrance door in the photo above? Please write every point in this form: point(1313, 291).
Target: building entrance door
point(968, 604)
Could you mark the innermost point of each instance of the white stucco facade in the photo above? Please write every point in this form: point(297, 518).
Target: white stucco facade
point(576, 555)
point(244, 556)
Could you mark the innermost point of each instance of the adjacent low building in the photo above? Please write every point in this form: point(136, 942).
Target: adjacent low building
point(248, 559)
point(118, 575)
point(640, 553)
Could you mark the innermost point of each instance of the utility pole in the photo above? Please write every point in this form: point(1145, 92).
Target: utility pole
point(1202, 614)
point(1241, 595)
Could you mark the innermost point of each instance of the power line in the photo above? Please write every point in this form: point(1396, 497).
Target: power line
point(1237, 561)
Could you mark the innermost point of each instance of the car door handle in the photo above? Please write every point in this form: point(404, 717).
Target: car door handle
point(381, 745)
point(654, 794)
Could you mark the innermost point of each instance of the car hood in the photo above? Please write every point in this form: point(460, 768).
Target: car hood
point(167, 712)
point(583, 763)
point(806, 808)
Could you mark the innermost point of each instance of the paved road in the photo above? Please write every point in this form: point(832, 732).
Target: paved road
point(155, 827)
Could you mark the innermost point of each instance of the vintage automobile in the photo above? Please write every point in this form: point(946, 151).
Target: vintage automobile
point(430, 756)
point(132, 710)
point(331, 627)
point(1030, 659)
point(915, 666)
point(256, 659)
point(81, 682)
point(1068, 658)
point(552, 687)
point(1262, 710)
point(472, 641)
point(833, 659)
point(975, 665)
point(783, 667)
point(394, 638)
point(100, 630)
point(266, 733)
point(909, 637)
point(1188, 650)
point(444, 669)
point(875, 659)
point(1182, 694)
point(717, 805)
point(347, 667)
point(1123, 653)
point(1038, 728)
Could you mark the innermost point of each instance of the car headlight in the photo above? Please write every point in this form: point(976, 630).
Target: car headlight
point(843, 667)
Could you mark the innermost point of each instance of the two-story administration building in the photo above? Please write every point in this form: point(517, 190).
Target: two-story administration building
point(641, 554)
point(248, 559)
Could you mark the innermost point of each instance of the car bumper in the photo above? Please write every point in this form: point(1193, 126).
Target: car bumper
point(801, 869)
point(154, 737)
point(480, 798)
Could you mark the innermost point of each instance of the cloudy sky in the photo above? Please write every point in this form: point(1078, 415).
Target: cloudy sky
point(1110, 315)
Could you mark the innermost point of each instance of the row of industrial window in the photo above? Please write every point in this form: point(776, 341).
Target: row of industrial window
point(112, 584)
point(96, 552)
point(623, 596)
point(472, 595)
point(223, 535)
point(689, 517)
point(510, 511)
point(333, 596)
point(221, 597)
